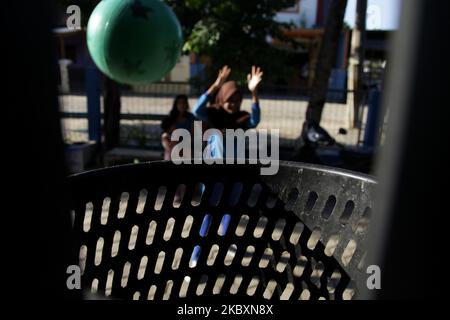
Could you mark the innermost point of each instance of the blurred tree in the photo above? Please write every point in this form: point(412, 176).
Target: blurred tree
point(235, 32)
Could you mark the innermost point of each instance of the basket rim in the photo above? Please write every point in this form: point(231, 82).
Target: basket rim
point(282, 163)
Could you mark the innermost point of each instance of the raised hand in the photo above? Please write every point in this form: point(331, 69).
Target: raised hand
point(222, 76)
point(224, 72)
point(254, 79)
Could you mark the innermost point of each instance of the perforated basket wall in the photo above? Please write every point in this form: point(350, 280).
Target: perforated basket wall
point(159, 231)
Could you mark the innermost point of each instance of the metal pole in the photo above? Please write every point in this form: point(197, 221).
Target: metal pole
point(93, 103)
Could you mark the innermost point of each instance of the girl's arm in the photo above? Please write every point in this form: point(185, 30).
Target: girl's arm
point(255, 116)
point(165, 140)
point(254, 79)
point(200, 109)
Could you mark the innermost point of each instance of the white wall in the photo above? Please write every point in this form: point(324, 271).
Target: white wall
point(306, 14)
point(381, 14)
point(181, 71)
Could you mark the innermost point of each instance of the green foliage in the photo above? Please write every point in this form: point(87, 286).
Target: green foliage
point(234, 32)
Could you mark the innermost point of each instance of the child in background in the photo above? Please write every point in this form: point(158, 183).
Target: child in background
point(178, 118)
point(225, 113)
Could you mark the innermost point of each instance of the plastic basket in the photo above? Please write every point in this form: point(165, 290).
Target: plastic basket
point(159, 231)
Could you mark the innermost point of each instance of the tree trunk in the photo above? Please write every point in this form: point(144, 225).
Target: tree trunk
point(326, 60)
point(112, 114)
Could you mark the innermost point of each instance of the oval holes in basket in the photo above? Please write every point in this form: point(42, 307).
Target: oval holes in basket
point(169, 229)
point(305, 295)
point(260, 226)
point(195, 256)
point(141, 201)
point(331, 245)
point(300, 266)
point(348, 210)
point(160, 198)
point(333, 281)
point(349, 250)
point(329, 207)
point(109, 283)
point(150, 233)
point(216, 194)
point(199, 190)
point(219, 284)
point(179, 195)
point(133, 237)
point(363, 223)
point(88, 216)
point(254, 195)
point(314, 238)
point(82, 258)
point(292, 198)
point(224, 223)
point(278, 229)
point(231, 253)
point(273, 197)
point(248, 255)
point(142, 268)
point(270, 289)
point(252, 286)
point(123, 204)
point(184, 287)
point(99, 251)
point(206, 223)
point(201, 285)
point(310, 202)
point(187, 227)
point(116, 243)
point(296, 233)
point(212, 255)
point(105, 210)
point(287, 291)
point(265, 259)
point(243, 222)
point(235, 194)
point(151, 292)
point(236, 284)
point(125, 274)
point(160, 262)
point(282, 263)
point(316, 273)
point(177, 258)
point(94, 285)
point(168, 290)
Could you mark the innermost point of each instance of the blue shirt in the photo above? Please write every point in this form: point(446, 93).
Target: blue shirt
point(215, 142)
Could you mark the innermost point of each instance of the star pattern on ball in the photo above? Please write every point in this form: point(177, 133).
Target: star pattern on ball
point(139, 10)
point(133, 67)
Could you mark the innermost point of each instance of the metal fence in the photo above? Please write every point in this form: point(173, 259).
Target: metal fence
point(142, 109)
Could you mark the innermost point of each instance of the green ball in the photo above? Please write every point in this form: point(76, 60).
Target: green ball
point(134, 41)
